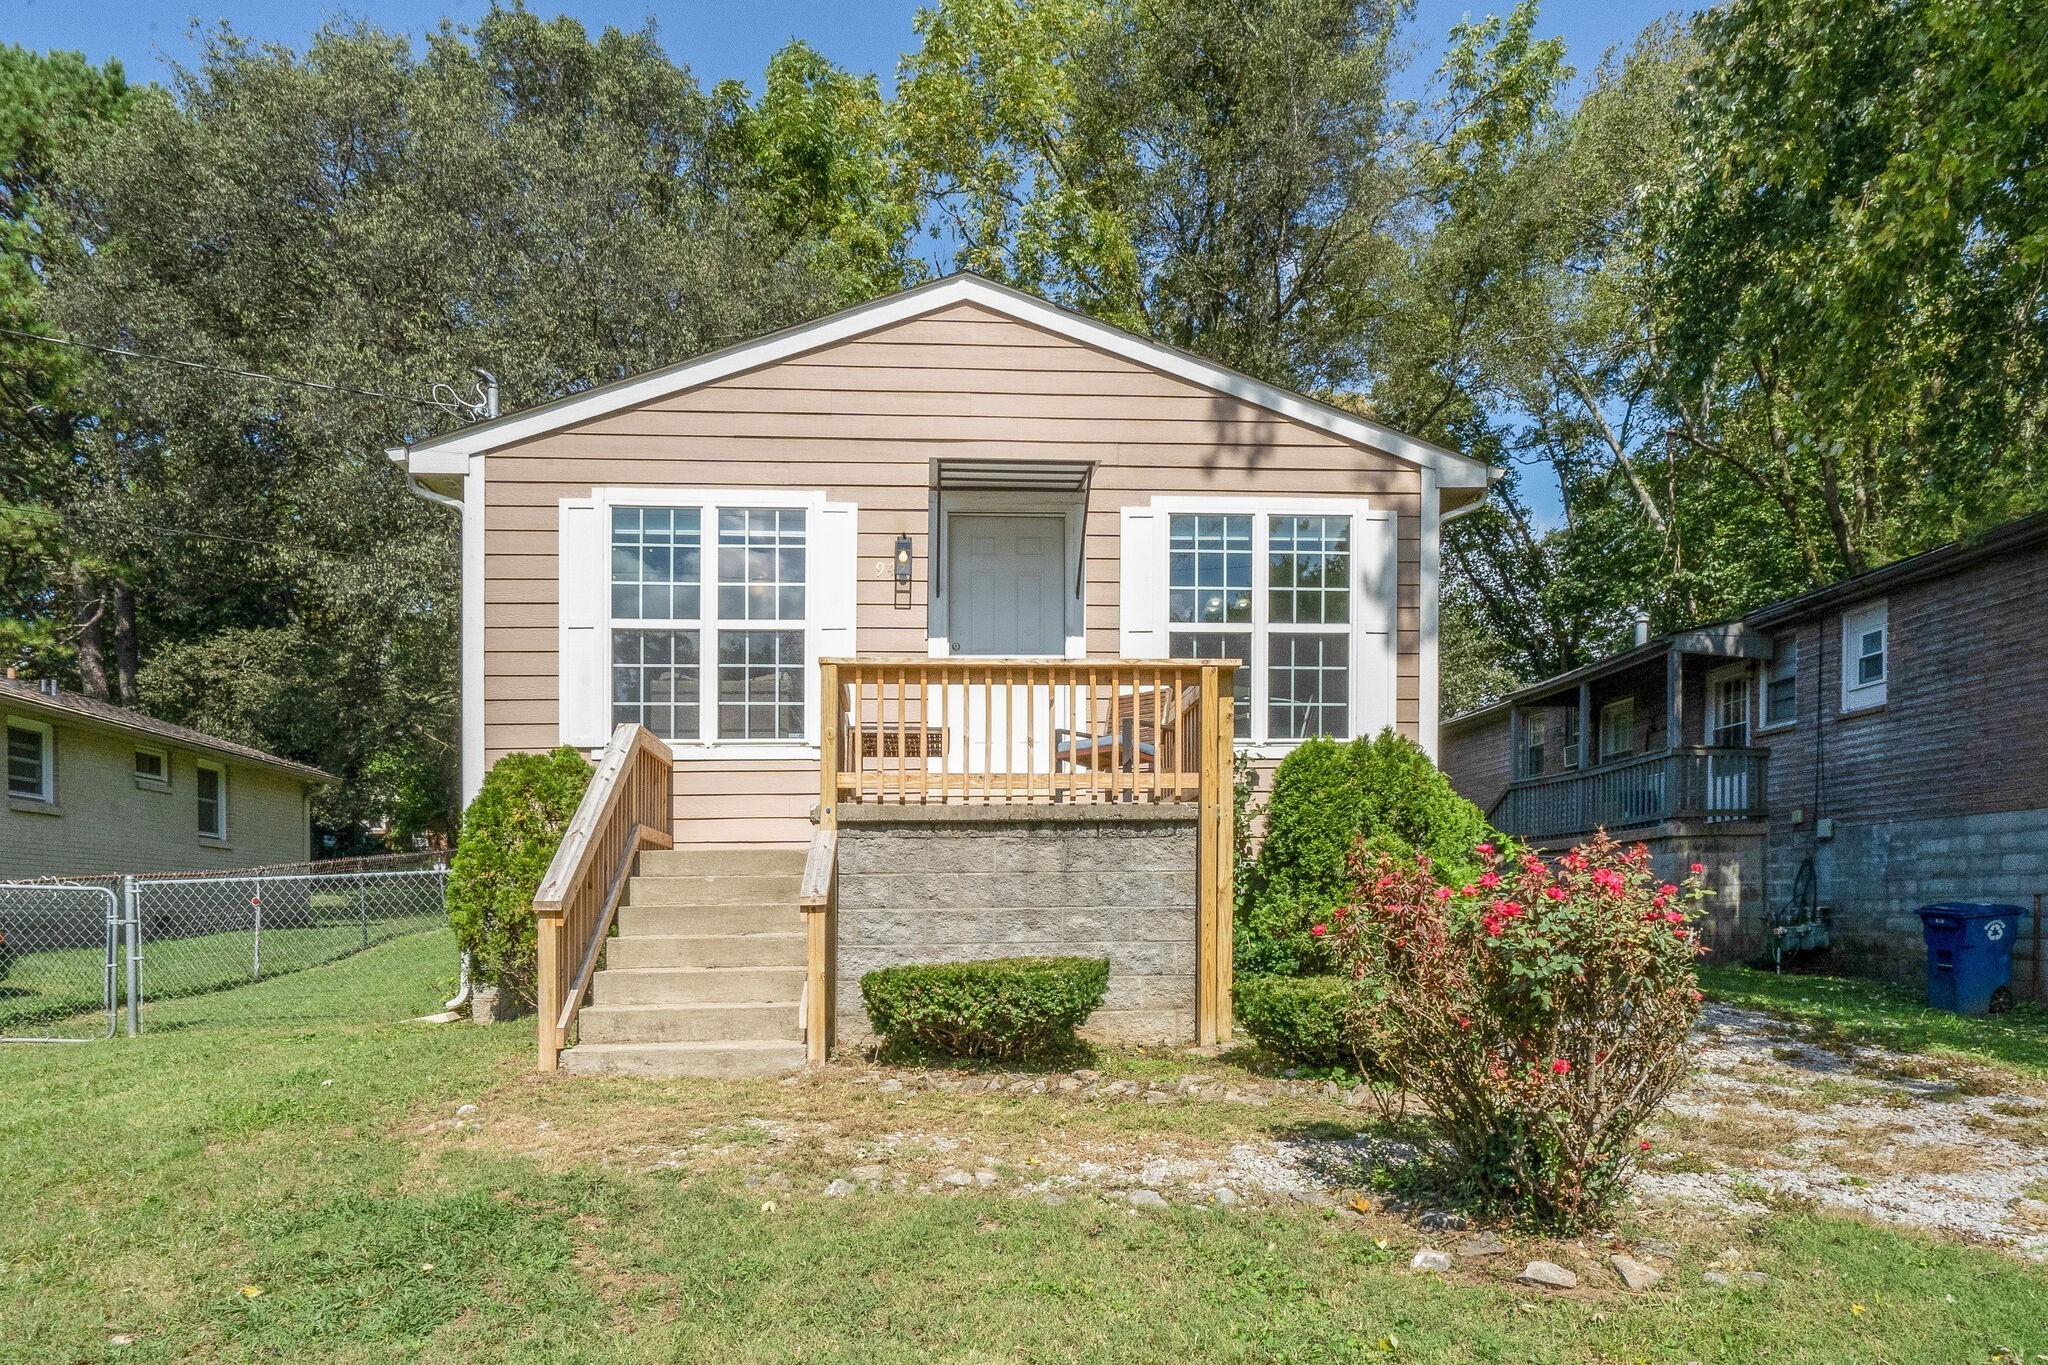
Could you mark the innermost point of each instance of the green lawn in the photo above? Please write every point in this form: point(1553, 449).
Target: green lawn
point(1880, 1014)
point(149, 1182)
point(62, 991)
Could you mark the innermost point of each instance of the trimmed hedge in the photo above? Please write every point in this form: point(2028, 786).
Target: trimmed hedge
point(1300, 1018)
point(1005, 1007)
point(509, 836)
point(1329, 797)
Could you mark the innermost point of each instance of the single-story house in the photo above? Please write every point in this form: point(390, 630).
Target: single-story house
point(926, 590)
point(94, 788)
point(1838, 759)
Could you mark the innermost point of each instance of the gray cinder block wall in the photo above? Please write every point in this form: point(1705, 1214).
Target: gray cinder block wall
point(1874, 875)
point(957, 883)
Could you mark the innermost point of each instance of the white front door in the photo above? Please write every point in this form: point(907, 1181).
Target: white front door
point(1006, 585)
point(1006, 591)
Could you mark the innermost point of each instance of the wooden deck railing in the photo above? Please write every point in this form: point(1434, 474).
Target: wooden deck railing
point(923, 731)
point(1032, 731)
point(627, 807)
point(1714, 785)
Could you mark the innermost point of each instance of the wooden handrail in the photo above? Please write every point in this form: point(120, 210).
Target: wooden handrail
point(814, 898)
point(628, 806)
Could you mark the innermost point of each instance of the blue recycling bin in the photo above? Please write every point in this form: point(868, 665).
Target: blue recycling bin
point(1969, 954)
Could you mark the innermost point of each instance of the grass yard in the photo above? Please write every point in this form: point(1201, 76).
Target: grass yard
point(1882, 1014)
point(308, 1191)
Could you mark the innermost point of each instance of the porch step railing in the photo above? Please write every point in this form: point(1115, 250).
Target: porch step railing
point(1022, 732)
point(628, 806)
point(1712, 785)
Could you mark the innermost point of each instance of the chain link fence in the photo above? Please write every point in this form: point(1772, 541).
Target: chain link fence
point(80, 951)
point(58, 949)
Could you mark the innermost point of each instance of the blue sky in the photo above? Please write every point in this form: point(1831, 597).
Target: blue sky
point(717, 40)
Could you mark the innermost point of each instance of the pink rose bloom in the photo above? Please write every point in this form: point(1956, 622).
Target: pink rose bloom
point(1490, 880)
point(1556, 893)
point(1560, 1066)
point(1485, 848)
point(1443, 893)
point(1320, 929)
point(1468, 890)
point(1698, 868)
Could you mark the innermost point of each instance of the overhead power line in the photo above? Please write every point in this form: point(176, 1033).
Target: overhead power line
point(442, 397)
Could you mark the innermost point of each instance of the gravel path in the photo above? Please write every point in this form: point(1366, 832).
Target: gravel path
point(1773, 1117)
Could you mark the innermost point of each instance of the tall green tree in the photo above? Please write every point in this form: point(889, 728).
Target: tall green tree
point(520, 197)
point(1853, 267)
point(51, 106)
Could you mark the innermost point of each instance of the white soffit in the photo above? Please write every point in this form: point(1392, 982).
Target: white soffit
point(1453, 470)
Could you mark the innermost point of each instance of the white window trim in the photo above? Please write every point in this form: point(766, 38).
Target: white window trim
point(1600, 730)
point(1715, 678)
point(144, 780)
point(1855, 624)
point(48, 795)
point(1071, 507)
point(812, 501)
point(219, 835)
point(1764, 724)
point(1375, 616)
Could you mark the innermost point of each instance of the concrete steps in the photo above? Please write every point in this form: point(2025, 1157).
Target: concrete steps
point(706, 973)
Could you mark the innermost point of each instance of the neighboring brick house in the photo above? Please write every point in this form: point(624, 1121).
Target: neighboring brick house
point(1884, 734)
point(94, 788)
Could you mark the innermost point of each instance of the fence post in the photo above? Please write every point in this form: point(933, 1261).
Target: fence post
point(362, 906)
point(256, 934)
point(133, 908)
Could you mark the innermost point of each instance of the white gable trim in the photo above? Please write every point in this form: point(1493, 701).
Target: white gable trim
point(429, 457)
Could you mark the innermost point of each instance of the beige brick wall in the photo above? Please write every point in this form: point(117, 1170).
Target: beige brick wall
point(104, 820)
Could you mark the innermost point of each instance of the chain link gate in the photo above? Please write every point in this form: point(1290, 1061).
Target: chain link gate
point(59, 954)
point(72, 953)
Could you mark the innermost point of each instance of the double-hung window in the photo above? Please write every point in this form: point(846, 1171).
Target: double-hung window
point(212, 787)
point(708, 647)
point(1781, 682)
point(29, 766)
point(1866, 656)
point(1275, 590)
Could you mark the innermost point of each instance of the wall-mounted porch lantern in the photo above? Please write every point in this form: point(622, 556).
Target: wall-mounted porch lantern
point(903, 571)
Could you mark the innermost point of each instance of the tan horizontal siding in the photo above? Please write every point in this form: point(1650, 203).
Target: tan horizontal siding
point(863, 420)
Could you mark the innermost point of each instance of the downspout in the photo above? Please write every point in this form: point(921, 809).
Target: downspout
point(418, 489)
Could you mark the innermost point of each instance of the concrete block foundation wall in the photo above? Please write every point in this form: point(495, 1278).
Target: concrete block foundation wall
point(1874, 875)
point(958, 883)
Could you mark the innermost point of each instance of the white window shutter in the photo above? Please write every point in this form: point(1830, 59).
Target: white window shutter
point(834, 594)
point(1377, 623)
point(583, 548)
point(1141, 590)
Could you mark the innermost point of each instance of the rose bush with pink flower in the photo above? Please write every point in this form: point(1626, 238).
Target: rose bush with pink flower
point(1541, 1012)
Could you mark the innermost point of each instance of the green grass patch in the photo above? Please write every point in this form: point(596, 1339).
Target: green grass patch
point(151, 1181)
point(1883, 1014)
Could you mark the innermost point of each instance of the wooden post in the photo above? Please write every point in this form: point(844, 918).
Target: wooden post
point(1585, 726)
point(820, 923)
point(1225, 843)
point(1207, 889)
point(829, 717)
point(548, 933)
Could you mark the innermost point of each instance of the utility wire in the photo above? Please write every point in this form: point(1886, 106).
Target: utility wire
point(228, 370)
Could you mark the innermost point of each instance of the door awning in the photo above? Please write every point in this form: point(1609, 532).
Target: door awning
point(1038, 476)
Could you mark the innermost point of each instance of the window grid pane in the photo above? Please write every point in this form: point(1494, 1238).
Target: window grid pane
point(24, 762)
point(1209, 574)
point(761, 565)
point(655, 680)
point(1308, 686)
point(1870, 658)
point(1309, 568)
point(1223, 645)
point(760, 684)
point(657, 563)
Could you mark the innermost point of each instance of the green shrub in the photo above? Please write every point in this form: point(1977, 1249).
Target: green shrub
point(1005, 1007)
point(1329, 797)
point(1300, 1018)
point(509, 835)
